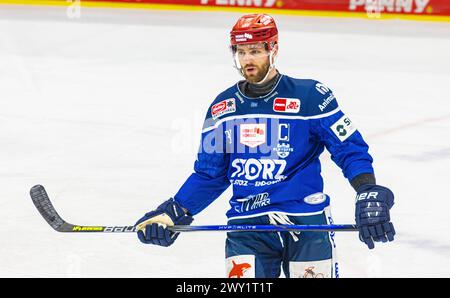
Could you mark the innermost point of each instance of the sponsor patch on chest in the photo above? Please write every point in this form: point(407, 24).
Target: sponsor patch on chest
point(226, 106)
point(253, 135)
point(286, 105)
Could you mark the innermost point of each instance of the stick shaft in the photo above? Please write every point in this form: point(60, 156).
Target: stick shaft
point(265, 228)
point(45, 207)
point(69, 228)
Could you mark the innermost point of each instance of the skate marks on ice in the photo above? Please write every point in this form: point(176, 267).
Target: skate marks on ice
point(407, 126)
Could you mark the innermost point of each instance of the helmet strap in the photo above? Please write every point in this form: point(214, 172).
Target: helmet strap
point(272, 65)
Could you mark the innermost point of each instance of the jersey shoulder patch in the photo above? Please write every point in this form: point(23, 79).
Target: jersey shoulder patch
point(316, 98)
point(343, 128)
point(321, 99)
point(223, 105)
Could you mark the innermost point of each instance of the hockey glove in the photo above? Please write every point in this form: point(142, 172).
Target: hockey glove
point(152, 227)
point(372, 214)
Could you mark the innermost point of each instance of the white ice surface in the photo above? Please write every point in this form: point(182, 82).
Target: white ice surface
point(106, 110)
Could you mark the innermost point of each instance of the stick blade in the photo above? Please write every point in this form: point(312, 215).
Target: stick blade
point(44, 206)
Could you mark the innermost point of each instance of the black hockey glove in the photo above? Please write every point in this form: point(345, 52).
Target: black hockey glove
point(372, 214)
point(153, 225)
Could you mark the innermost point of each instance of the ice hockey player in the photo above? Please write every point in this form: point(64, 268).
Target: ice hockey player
point(264, 137)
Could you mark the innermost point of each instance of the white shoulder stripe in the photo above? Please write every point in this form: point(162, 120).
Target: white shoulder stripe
point(269, 116)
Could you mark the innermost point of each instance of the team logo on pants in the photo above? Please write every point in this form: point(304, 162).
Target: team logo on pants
point(242, 266)
point(309, 273)
point(314, 269)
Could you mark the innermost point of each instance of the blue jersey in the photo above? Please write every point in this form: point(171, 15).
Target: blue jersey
point(268, 149)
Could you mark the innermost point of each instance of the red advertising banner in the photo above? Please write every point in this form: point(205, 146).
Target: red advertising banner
point(426, 10)
point(412, 7)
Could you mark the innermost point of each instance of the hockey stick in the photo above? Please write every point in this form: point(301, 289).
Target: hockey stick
point(43, 204)
point(266, 228)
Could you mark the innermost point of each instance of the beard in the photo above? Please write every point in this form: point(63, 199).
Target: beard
point(257, 74)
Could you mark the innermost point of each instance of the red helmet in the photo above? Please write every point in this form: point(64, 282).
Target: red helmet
point(253, 28)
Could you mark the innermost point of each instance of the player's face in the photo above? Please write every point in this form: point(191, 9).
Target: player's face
point(254, 60)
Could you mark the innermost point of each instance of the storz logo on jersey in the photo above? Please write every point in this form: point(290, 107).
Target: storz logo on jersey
point(252, 135)
point(343, 128)
point(286, 105)
point(224, 107)
point(252, 202)
point(257, 172)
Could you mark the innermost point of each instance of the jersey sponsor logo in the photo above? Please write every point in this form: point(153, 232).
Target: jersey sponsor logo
point(224, 107)
point(241, 266)
point(252, 135)
point(267, 170)
point(343, 128)
point(322, 89)
point(252, 202)
point(326, 102)
point(283, 148)
point(315, 199)
point(286, 105)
